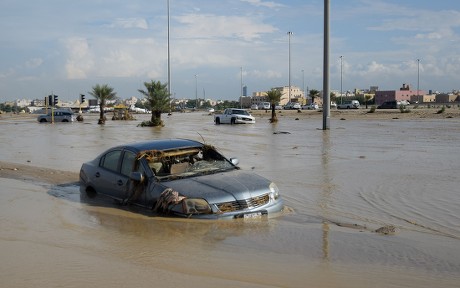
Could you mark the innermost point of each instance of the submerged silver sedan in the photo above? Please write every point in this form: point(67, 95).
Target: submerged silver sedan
point(180, 177)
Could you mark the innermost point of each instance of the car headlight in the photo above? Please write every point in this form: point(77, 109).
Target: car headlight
point(196, 206)
point(274, 191)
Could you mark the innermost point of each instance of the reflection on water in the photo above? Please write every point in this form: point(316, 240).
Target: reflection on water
point(326, 193)
point(357, 174)
point(325, 241)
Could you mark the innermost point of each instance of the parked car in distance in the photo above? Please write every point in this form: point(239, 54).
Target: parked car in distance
point(403, 102)
point(292, 105)
point(264, 106)
point(234, 116)
point(254, 107)
point(393, 104)
point(311, 106)
point(388, 105)
point(333, 105)
point(348, 104)
point(180, 177)
point(60, 115)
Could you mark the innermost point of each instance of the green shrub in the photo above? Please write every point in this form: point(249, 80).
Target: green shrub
point(403, 109)
point(442, 110)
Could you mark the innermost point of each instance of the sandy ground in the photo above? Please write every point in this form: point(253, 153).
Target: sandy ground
point(36, 174)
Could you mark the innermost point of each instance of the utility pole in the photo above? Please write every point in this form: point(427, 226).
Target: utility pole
point(196, 92)
point(289, 92)
point(418, 81)
point(341, 66)
point(326, 96)
point(169, 66)
point(241, 94)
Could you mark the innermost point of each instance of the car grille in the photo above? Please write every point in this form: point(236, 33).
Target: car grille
point(244, 204)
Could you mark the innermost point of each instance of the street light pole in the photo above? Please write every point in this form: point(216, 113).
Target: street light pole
point(418, 80)
point(341, 67)
point(326, 51)
point(169, 65)
point(196, 92)
point(241, 94)
point(303, 84)
point(289, 92)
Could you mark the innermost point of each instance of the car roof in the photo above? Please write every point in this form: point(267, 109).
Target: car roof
point(162, 144)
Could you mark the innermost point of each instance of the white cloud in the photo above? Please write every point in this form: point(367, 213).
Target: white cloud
point(113, 57)
point(127, 23)
point(265, 74)
point(259, 3)
point(34, 63)
point(213, 26)
point(80, 61)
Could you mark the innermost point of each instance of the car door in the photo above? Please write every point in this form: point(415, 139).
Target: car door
point(110, 180)
point(130, 190)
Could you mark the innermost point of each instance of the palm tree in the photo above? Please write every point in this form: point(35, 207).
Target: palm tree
point(313, 94)
point(274, 96)
point(158, 99)
point(367, 98)
point(102, 93)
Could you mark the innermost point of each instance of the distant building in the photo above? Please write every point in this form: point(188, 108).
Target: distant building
point(404, 93)
point(297, 95)
point(447, 98)
point(245, 101)
point(22, 103)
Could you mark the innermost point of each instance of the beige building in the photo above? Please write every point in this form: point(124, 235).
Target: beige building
point(297, 95)
point(423, 98)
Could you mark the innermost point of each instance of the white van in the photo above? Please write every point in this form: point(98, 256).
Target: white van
point(264, 105)
point(348, 104)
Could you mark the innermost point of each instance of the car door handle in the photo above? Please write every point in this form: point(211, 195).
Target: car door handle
point(120, 183)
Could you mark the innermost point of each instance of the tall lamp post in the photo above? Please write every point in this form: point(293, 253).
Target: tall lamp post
point(289, 92)
point(341, 68)
point(241, 94)
point(196, 92)
point(326, 52)
point(303, 84)
point(418, 80)
point(169, 65)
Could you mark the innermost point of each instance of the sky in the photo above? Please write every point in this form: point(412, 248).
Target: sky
point(66, 47)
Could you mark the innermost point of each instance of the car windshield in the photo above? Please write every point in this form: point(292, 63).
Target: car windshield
point(185, 162)
point(240, 112)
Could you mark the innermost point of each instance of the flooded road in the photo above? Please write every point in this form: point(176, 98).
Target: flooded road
point(339, 186)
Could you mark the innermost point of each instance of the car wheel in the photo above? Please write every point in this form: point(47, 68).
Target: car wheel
point(43, 120)
point(232, 121)
point(90, 192)
point(217, 120)
point(65, 120)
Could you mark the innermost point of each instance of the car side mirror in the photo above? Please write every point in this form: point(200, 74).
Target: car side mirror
point(234, 161)
point(137, 177)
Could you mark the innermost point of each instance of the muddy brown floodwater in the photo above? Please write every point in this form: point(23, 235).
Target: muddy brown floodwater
point(339, 187)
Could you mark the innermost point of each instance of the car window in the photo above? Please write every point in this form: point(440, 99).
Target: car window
point(110, 160)
point(187, 162)
point(127, 164)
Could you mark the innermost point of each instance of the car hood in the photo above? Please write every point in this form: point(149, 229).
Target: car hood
point(222, 187)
